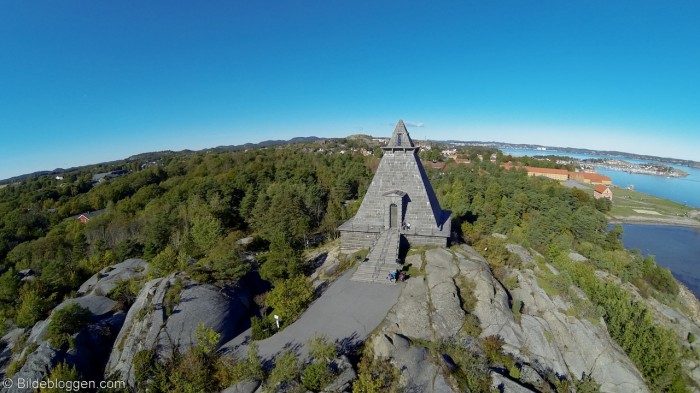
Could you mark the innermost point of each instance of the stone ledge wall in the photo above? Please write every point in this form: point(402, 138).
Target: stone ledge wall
point(426, 240)
point(354, 241)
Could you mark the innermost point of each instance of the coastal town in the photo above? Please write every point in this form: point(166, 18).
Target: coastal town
point(656, 169)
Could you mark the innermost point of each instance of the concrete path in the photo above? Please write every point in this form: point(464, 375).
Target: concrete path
point(347, 312)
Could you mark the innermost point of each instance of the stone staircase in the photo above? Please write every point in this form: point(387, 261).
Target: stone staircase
point(381, 259)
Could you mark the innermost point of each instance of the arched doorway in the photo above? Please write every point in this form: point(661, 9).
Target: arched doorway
point(393, 216)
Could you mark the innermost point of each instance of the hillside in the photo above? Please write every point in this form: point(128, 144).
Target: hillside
point(175, 284)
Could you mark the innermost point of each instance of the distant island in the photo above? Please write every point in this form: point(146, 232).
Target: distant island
point(656, 169)
point(604, 153)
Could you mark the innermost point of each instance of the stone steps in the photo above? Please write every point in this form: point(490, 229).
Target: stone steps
point(381, 260)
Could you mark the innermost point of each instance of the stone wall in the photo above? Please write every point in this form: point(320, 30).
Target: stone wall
point(354, 241)
point(426, 240)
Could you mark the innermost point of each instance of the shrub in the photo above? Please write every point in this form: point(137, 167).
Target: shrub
point(375, 375)
point(317, 376)
point(466, 293)
point(250, 368)
point(66, 322)
point(289, 298)
point(164, 263)
point(125, 293)
point(62, 372)
point(172, 296)
point(261, 328)
point(322, 350)
point(207, 339)
point(514, 371)
point(586, 384)
point(287, 368)
point(662, 280)
point(471, 326)
point(144, 365)
point(33, 307)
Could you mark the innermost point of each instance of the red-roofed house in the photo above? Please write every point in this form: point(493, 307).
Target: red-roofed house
point(601, 191)
point(85, 217)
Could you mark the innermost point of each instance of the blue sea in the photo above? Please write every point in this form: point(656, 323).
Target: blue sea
point(677, 248)
point(684, 190)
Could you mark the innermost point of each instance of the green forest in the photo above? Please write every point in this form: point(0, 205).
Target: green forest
point(188, 211)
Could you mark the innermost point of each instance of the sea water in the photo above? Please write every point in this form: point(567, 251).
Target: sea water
point(684, 190)
point(677, 248)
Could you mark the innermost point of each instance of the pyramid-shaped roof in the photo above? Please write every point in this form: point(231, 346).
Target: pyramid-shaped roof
point(401, 179)
point(400, 137)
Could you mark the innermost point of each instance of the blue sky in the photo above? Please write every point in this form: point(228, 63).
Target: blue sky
point(84, 81)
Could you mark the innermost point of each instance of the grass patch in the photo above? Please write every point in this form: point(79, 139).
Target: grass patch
point(172, 296)
point(625, 201)
point(517, 308)
point(548, 335)
point(549, 289)
point(16, 365)
point(465, 291)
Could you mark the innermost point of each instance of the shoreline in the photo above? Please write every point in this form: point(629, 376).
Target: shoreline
point(659, 221)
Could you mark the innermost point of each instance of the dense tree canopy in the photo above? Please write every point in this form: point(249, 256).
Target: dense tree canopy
point(185, 207)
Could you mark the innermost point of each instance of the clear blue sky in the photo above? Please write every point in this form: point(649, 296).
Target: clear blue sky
point(88, 81)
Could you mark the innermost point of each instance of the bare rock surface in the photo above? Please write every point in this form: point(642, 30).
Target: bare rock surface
point(505, 385)
point(411, 315)
point(418, 371)
point(140, 329)
point(492, 306)
point(91, 344)
point(247, 386)
point(149, 325)
point(35, 368)
point(106, 279)
point(521, 252)
point(448, 316)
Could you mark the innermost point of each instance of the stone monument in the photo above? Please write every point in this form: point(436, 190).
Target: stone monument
point(399, 207)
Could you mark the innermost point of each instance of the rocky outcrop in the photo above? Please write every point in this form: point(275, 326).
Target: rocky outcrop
point(103, 282)
point(346, 376)
point(91, 345)
point(447, 316)
point(418, 372)
point(546, 338)
point(141, 327)
point(247, 386)
point(493, 305)
point(161, 320)
point(411, 315)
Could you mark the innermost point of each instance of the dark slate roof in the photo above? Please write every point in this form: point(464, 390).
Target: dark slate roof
point(400, 138)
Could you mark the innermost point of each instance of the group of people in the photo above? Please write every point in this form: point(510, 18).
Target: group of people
point(396, 275)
